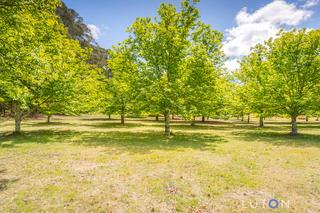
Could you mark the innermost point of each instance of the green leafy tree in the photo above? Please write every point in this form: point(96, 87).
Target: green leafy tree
point(236, 99)
point(295, 60)
point(200, 84)
point(163, 46)
point(67, 86)
point(202, 69)
point(37, 58)
point(122, 87)
point(254, 74)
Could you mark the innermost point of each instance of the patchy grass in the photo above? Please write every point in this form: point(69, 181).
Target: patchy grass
point(92, 164)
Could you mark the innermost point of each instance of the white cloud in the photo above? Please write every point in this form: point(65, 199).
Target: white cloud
point(277, 12)
point(95, 31)
point(310, 3)
point(260, 25)
point(240, 39)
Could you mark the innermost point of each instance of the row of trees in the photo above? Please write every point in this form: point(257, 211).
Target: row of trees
point(170, 65)
point(173, 64)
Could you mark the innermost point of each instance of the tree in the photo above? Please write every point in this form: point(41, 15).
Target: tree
point(68, 84)
point(236, 99)
point(200, 85)
point(254, 75)
point(122, 87)
point(162, 46)
point(37, 58)
point(295, 61)
point(78, 30)
point(202, 70)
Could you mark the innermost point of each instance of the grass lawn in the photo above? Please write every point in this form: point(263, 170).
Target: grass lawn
point(92, 164)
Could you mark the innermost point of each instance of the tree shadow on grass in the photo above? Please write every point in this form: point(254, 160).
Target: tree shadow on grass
point(244, 126)
point(120, 141)
point(309, 126)
point(280, 138)
point(226, 127)
point(147, 141)
point(37, 136)
point(52, 123)
point(99, 119)
point(114, 125)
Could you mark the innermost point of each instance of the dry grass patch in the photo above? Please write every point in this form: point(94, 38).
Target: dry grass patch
point(91, 164)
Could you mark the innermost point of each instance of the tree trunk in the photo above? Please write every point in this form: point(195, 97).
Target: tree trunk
point(307, 118)
point(167, 130)
point(123, 112)
point(17, 118)
point(317, 119)
point(203, 119)
point(242, 117)
point(193, 121)
point(122, 119)
point(294, 127)
point(109, 116)
point(248, 118)
point(157, 117)
point(172, 116)
point(261, 121)
point(17, 124)
point(48, 118)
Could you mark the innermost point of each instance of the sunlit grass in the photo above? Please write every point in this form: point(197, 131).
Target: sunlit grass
point(95, 164)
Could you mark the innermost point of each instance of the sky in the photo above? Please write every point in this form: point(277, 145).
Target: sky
point(244, 23)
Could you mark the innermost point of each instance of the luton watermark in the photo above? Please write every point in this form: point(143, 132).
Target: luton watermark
point(265, 204)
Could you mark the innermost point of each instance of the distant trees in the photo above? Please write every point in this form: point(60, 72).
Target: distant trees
point(236, 100)
point(202, 71)
point(78, 30)
point(121, 89)
point(255, 76)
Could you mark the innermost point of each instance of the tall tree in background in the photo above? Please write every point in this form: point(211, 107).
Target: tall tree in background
point(122, 87)
point(202, 69)
point(78, 30)
point(254, 74)
point(236, 100)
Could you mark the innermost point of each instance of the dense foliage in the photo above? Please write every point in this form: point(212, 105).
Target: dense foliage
point(283, 75)
point(171, 64)
point(42, 70)
point(178, 59)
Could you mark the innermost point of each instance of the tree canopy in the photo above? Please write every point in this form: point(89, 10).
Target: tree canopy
point(167, 49)
point(283, 75)
point(39, 63)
